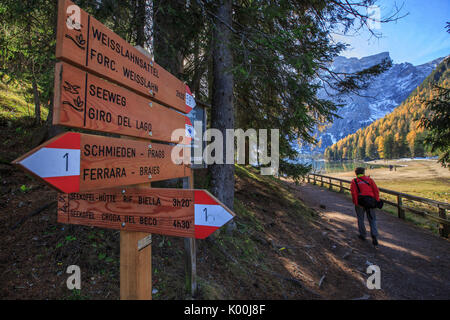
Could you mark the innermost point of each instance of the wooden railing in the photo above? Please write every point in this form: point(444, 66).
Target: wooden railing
point(442, 207)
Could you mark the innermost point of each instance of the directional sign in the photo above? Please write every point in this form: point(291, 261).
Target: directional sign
point(84, 41)
point(174, 212)
point(85, 101)
point(74, 162)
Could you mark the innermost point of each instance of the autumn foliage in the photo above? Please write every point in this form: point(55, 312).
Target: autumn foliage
point(398, 134)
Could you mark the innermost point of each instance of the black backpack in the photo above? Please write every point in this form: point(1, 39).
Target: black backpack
point(367, 202)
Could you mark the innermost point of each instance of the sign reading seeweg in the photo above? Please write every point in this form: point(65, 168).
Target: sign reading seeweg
point(85, 101)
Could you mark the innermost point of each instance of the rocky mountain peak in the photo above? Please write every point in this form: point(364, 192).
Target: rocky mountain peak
point(384, 94)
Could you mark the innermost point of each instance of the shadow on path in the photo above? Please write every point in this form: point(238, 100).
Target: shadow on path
point(414, 263)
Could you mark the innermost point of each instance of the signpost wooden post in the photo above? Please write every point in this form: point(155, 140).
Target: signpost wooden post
point(73, 162)
point(135, 267)
point(190, 252)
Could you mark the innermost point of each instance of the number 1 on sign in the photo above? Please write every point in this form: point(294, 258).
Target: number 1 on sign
point(67, 161)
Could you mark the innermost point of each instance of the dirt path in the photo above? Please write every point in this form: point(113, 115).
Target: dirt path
point(414, 263)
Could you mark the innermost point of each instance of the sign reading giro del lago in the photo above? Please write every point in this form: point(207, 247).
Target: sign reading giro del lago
point(104, 84)
point(85, 101)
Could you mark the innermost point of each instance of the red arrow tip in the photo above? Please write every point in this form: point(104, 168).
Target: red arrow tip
point(69, 140)
point(202, 197)
point(65, 184)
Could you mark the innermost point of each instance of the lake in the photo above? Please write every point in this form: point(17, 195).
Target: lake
point(322, 166)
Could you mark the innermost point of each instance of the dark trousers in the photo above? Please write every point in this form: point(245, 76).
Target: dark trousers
point(371, 216)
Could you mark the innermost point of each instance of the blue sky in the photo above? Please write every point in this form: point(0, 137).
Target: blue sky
point(418, 38)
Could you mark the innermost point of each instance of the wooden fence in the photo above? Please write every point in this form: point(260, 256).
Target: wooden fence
point(442, 207)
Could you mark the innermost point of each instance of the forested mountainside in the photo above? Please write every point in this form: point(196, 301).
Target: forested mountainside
point(397, 134)
point(384, 93)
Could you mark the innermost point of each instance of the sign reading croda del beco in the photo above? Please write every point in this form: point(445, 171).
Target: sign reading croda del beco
point(84, 41)
point(175, 212)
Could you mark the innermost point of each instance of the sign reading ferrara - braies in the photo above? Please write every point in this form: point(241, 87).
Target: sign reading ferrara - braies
point(85, 101)
point(74, 162)
point(84, 41)
point(175, 212)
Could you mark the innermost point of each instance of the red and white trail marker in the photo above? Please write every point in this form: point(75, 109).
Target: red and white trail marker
point(174, 212)
point(51, 162)
point(210, 214)
point(190, 100)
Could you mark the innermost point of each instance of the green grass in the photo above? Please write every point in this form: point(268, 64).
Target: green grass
point(248, 172)
point(436, 189)
point(422, 178)
point(242, 211)
point(16, 102)
point(409, 216)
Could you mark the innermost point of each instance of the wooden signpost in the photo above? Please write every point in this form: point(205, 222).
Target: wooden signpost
point(74, 162)
point(174, 212)
point(85, 42)
point(107, 85)
point(85, 101)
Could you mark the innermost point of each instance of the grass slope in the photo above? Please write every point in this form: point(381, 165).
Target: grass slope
point(279, 249)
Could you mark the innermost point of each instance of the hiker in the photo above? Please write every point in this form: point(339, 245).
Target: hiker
point(365, 196)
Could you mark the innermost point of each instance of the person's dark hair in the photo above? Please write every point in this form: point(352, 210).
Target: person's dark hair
point(360, 170)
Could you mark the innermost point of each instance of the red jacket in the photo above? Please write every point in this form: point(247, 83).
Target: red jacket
point(369, 189)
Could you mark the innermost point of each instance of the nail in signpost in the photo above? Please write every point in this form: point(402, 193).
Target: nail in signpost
point(174, 212)
point(85, 101)
point(74, 162)
point(84, 41)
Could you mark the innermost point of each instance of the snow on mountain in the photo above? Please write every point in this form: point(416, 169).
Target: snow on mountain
point(384, 93)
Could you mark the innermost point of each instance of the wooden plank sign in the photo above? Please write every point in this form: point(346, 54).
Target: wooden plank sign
point(174, 212)
point(74, 162)
point(85, 101)
point(84, 41)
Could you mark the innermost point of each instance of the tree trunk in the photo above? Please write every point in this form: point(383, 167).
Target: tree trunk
point(222, 113)
point(167, 41)
point(140, 22)
point(52, 129)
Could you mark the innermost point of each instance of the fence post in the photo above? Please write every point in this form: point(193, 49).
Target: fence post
point(401, 212)
point(443, 228)
point(330, 187)
point(341, 189)
point(314, 179)
point(321, 181)
point(308, 178)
